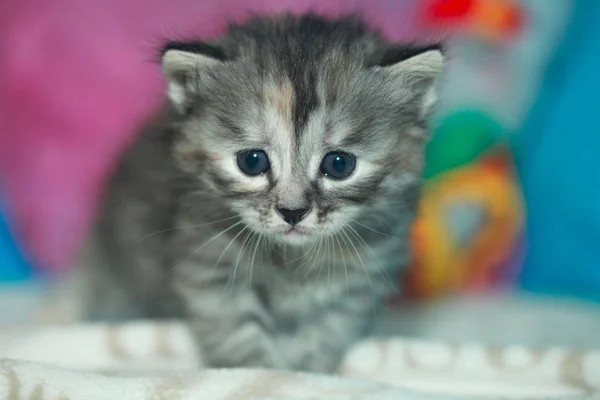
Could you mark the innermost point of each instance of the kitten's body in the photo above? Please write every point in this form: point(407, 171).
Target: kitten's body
point(180, 222)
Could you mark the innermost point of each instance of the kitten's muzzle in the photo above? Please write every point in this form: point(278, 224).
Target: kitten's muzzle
point(293, 217)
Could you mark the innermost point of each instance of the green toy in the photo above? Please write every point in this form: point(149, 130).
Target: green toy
point(459, 138)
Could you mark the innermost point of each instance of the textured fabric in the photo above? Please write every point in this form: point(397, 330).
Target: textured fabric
point(150, 349)
point(24, 381)
point(494, 346)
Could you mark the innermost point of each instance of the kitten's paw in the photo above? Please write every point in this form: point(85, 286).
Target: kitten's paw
point(249, 347)
point(305, 356)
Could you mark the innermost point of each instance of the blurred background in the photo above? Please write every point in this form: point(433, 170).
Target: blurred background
point(77, 78)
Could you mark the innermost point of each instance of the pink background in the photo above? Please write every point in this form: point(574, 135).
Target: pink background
point(78, 76)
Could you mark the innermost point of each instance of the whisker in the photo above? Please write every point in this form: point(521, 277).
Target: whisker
point(373, 298)
point(313, 260)
point(195, 249)
point(367, 248)
point(302, 266)
point(269, 249)
point(225, 250)
point(329, 258)
point(329, 255)
point(358, 256)
point(344, 261)
point(188, 227)
point(316, 265)
point(258, 242)
point(376, 231)
point(301, 257)
point(362, 242)
point(240, 253)
point(403, 241)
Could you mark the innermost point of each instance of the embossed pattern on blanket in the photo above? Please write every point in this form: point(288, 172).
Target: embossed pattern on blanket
point(158, 349)
point(22, 380)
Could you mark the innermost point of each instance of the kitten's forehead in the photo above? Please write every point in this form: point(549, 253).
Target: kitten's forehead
point(279, 96)
point(301, 62)
point(297, 85)
point(294, 125)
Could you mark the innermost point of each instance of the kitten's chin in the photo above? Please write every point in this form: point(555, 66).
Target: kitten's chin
point(295, 237)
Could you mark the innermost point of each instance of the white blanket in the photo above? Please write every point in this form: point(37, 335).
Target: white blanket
point(26, 381)
point(158, 351)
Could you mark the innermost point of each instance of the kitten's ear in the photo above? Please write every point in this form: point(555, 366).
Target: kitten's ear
point(184, 64)
point(417, 69)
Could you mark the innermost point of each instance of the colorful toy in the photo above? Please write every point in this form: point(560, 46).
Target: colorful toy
point(497, 20)
point(471, 214)
point(467, 226)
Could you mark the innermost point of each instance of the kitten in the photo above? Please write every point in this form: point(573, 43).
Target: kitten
point(270, 203)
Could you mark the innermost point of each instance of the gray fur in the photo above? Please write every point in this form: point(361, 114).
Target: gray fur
point(183, 232)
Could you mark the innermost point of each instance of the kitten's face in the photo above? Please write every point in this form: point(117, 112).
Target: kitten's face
point(301, 132)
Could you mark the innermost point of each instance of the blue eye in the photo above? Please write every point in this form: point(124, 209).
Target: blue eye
point(338, 165)
point(253, 162)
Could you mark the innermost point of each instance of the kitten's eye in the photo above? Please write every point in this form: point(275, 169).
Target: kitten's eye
point(253, 162)
point(338, 165)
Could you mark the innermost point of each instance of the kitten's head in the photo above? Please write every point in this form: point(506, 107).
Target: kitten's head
point(301, 125)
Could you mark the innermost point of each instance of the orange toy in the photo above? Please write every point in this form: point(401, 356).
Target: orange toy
point(469, 219)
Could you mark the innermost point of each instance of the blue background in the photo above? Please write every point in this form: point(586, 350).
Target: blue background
point(12, 264)
point(559, 160)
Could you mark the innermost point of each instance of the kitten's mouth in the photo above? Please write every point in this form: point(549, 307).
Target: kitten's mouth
point(295, 232)
point(296, 236)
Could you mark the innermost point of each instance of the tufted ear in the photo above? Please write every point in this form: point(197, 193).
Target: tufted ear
point(183, 64)
point(417, 70)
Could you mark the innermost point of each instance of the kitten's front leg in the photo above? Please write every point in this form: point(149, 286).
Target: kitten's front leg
point(345, 316)
point(230, 325)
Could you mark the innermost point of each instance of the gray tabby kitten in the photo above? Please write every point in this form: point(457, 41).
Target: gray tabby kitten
point(270, 202)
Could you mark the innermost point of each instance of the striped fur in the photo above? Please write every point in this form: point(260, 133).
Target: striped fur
point(297, 88)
